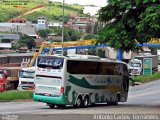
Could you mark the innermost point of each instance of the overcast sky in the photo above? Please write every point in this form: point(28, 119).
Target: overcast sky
point(85, 2)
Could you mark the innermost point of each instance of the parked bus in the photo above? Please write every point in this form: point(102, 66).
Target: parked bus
point(80, 80)
point(26, 78)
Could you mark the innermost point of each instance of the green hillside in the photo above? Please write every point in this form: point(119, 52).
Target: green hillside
point(10, 9)
point(54, 12)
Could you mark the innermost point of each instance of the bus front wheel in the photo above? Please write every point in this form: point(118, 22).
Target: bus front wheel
point(117, 99)
point(115, 102)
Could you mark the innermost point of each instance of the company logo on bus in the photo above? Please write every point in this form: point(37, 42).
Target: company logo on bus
point(103, 79)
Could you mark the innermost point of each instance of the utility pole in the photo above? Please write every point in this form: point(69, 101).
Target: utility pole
point(62, 27)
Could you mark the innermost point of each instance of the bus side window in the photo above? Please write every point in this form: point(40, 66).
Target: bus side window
point(92, 68)
point(72, 67)
point(97, 68)
point(106, 69)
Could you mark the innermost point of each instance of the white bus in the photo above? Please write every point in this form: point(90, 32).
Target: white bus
point(26, 78)
point(80, 80)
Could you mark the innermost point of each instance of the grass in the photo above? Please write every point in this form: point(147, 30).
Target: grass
point(147, 78)
point(15, 95)
point(8, 10)
point(52, 11)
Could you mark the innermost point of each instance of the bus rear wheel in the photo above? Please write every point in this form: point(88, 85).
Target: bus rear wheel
point(85, 101)
point(79, 102)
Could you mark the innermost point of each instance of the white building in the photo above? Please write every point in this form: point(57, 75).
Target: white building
point(9, 38)
point(41, 23)
point(26, 28)
point(54, 24)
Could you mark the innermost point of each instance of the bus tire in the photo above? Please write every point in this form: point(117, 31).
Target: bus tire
point(79, 102)
point(86, 101)
point(117, 99)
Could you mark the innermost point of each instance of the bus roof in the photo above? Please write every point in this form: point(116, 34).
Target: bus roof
point(84, 57)
point(92, 58)
point(78, 56)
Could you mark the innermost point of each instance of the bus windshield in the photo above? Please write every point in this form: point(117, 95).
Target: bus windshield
point(26, 74)
point(50, 62)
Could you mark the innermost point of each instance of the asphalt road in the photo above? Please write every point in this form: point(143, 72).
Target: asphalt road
point(142, 99)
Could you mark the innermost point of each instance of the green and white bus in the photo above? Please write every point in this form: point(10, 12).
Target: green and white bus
point(80, 80)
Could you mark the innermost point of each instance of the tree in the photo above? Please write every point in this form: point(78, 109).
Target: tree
point(129, 22)
point(92, 51)
point(97, 52)
point(44, 33)
point(73, 34)
point(27, 41)
point(89, 36)
point(96, 27)
point(69, 34)
point(18, 45)
point(89, 28)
